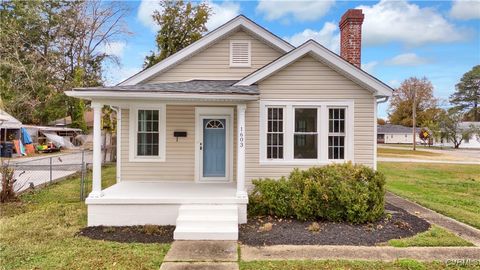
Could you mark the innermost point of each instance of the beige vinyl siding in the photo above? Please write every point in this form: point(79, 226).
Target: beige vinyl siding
point(180, 156)
point(307, 78)
point(214, 62)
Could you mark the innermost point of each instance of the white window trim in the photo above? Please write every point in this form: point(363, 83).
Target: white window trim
point(322, 129)
point(249, 64)
point(133, 126)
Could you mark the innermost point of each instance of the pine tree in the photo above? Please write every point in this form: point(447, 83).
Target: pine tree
point(467, 94)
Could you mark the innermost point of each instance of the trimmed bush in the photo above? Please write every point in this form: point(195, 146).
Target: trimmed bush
point(337, 192)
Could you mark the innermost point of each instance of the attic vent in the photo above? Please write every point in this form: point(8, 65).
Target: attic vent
point(240, 53)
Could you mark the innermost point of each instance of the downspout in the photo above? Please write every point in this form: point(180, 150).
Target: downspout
point(377, 100)
point(118, 112)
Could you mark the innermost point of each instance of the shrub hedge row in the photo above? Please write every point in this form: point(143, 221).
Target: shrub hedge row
point(337, 192)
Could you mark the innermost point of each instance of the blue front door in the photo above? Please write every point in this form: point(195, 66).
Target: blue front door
point(214, 147)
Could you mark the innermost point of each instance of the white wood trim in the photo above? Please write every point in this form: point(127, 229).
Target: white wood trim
point(322, 128)
point(213, 36)
point(241, 145)
point(133, 128)
point(97, 151)
point(118, 162)
point(137, 95)
point(327, 57)
point(234, 65)
point(375, 131)
point(211, 112)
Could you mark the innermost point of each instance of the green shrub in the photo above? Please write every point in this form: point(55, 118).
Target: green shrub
point(337, 192)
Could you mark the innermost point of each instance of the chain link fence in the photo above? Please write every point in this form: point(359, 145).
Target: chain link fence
point(36, 172)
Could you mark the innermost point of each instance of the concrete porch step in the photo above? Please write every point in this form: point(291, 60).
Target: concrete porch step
point(207, 222)
point(202, 209)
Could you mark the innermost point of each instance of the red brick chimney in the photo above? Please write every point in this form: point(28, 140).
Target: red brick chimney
point(351, 36)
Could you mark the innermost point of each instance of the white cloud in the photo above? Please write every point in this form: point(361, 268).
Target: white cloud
point(328, 36)
point(145, 12)
point(394, 83)
point(222, 13)
point(390, 21)
point(465, 9)
point(115, 75)
point(370, 66)
point(115, 48)
point(299, 10)
point(406, 59)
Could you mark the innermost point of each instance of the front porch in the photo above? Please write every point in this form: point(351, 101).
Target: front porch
point(181, 157)
point(145, 202)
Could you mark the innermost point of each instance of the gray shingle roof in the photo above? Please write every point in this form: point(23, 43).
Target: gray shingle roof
point(389, 128)
point(193, 86)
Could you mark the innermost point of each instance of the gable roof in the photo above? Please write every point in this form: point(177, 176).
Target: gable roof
point(227, 28)
point(325, 56)
point(395, 129)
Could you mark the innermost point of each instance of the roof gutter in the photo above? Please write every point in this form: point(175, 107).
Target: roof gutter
point(382, 99)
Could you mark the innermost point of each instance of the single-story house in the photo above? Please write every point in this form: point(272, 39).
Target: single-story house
point(238, 104)
point(472, 142)
point(397, 134)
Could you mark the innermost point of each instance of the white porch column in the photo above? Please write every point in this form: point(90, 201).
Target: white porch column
point(241, 192)
point(97, 151)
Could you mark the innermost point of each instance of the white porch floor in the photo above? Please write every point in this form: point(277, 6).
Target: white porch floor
point(139, 192)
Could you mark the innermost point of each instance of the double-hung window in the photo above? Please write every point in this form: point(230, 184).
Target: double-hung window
point(305, 137)
point(275, 133)
point(336, 133)
point(147, 134)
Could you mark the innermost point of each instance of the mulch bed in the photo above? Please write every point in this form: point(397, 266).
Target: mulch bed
point(130, 234)
point(283, 232)
point(294, 232)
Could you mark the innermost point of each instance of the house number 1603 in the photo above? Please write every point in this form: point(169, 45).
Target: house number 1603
point(240, 137)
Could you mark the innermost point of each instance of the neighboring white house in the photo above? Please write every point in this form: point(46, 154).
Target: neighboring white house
point(397, 134)
point(472, 142)
point(238, 104)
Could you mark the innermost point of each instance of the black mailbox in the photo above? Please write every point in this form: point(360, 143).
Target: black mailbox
point(178, 134)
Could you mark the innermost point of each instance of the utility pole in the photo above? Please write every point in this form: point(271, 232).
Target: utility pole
point(414, 116)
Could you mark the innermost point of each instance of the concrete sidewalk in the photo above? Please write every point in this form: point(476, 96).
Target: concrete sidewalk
point(291, 252)
point(196, 255)
point(463, 230)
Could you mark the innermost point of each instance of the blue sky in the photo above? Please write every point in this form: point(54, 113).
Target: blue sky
point(436, 39)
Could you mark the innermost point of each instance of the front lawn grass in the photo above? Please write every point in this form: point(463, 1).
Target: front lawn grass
point(39, 233)
point(341, 264)
point(434, 237)
point(450, 189)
